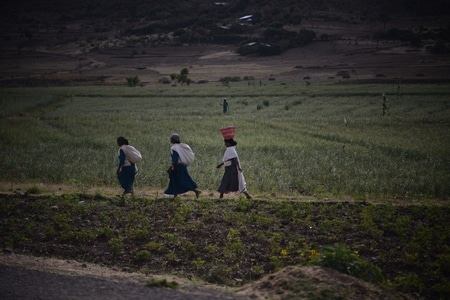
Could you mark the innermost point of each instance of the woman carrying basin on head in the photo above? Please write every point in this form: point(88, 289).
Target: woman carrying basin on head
point(233, 179)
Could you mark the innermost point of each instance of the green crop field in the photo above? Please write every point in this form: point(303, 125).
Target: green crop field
point(327, 140)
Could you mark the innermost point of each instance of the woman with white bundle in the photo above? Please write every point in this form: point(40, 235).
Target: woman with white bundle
point(179, 179)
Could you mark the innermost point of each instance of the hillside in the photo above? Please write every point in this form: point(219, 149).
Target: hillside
point(54, 43)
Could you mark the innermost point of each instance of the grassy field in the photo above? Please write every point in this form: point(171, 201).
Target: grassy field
point(327, 140)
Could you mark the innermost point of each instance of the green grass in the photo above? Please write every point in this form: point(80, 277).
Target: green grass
point(291, 137)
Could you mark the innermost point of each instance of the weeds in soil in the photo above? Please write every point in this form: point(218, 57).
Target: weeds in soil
point(342, 259)
point(237, 241)
point(34, 190)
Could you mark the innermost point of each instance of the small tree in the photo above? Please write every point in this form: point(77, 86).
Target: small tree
point(182, 77)
point(133, 81)
point(225, 81)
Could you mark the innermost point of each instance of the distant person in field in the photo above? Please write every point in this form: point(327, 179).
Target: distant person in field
point(126, 171)
point(233, 179)
point(225, 106)
point(180, 181)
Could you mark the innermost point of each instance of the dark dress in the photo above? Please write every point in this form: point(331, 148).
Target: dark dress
point(127, 174)
point(179, 179)
point(225, 106)
point(230, 179)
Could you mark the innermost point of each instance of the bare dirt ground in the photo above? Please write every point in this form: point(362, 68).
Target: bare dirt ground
point(356, 53)
point(318, 61)
point(27, 277)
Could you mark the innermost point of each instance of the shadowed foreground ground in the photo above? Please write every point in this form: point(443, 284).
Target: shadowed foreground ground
point(23, 277)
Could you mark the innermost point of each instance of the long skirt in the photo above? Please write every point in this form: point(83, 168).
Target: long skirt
point(233, 180)
point(180, 181)
point(126, 178)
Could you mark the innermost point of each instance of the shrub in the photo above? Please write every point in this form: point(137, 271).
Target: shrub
point(225, 80)
point(142, 255)
point(305, 37)
point(409, 283)
point(116, 245)
point(182, 77)
point(34, 190)
point(217, 274)
point(164, 80)
point(155, 246)
point(133, 81)
point(342, 259)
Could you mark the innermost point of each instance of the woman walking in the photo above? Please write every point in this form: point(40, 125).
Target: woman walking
point(126, 171)
point(179, 179)
point(233, 179)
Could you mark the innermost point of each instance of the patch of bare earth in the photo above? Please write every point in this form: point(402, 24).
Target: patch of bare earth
point(96, 275)
point(315, 282)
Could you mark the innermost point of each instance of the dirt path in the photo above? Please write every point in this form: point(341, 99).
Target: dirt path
point(26, 277)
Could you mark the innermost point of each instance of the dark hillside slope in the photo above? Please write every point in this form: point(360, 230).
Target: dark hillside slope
point(163, 16)
point(105, 39)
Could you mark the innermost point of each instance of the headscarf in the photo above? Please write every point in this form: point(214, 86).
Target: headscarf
point(230, 141)
point(175, 138)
